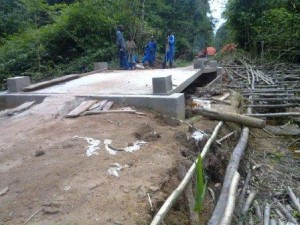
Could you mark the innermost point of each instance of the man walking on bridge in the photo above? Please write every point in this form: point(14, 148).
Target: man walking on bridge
point(170, 50)
point(121, 45)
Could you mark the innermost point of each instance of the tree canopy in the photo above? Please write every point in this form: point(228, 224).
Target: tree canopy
point(41, 38)
point(269, 27)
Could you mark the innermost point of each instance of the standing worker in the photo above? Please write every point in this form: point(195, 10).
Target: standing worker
point(170, 50)
point(151, 48)
point(121, 45)
point(131, 47)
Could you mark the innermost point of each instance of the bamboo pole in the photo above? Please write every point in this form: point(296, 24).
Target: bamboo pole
point(160, 215)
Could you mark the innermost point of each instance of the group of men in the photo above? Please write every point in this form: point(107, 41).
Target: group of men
point(127, 54)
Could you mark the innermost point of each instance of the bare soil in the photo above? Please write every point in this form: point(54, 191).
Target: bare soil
point(49, 175)
point(46, 168)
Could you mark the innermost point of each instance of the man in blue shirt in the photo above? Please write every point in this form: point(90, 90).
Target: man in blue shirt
point(151, 48)
point(170, 50)
point(121, 45)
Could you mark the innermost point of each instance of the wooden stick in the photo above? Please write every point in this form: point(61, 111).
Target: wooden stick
point(267, 214)
point(232, 167)
point(225, 137)
point(244, 191)
point(285, 212)
point(248, 202)
point(230, 205)
point(278, 212)
point(108, 111)
point(274, 114)
point(273, 106)
point(247, 205)
point(32, 216)
point(160, 215)
point(293, 198)
point(258, 212)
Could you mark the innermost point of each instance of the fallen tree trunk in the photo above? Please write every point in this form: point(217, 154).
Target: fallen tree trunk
point(230, 171)
point(228, 213)
point(44, 84)
point(231, 117)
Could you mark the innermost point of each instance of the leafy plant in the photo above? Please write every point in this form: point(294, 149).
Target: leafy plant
point(201, 185)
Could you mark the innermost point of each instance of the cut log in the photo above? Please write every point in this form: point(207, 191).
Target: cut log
point(81, 108)
point(231, 117)
point(228, 213)
point(45, 84)
point(230, 171)
point(258, 212)
point(247, 205)
point(243, 194)
point(294, 199)
point(267, 214)
point(20, 108)
point(285, 212)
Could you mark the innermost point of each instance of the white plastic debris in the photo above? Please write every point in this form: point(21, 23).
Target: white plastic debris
point(135, 147)
point(206, 104)
point(108, 142)
point(140, 66)
point(114, 169)
point(93, 147)
point(198, 136)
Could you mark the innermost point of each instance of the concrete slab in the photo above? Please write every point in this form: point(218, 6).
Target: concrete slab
point(120, 82)
point(126, 87)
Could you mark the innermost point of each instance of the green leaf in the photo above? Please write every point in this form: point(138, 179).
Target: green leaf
point(200, 185)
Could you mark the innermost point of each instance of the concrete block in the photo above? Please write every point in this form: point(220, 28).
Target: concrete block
point(198, 63)
point(100, 66)
point(162, 85)
point(16, 84)
point(213, 64)
point(170, 105)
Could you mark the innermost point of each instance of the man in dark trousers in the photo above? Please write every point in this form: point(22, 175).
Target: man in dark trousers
point(121, 45)
point(170, 50)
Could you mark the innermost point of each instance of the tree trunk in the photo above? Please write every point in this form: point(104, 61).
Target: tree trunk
point(231, 117)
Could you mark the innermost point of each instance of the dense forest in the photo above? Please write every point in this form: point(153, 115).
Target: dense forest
point(43, 39)
point(269, 29)
point(49, 38)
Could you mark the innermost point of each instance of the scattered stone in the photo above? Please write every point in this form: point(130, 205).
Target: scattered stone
point(39, 153)
point(4, 191)
point(147, 133)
